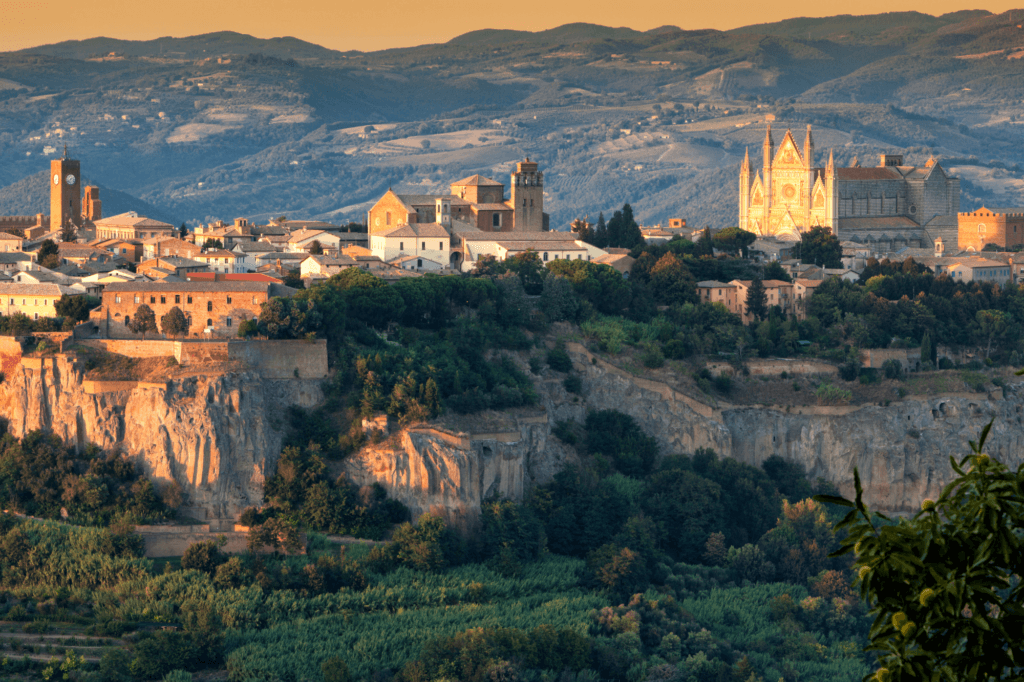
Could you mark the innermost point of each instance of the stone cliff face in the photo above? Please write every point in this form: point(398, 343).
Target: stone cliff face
point(901, 451)
point(217, 436)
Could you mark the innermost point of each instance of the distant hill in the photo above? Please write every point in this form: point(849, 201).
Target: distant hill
point(193, 47)
point(224, 124)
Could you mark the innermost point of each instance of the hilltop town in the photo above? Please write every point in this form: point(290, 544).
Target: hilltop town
point(529, 356)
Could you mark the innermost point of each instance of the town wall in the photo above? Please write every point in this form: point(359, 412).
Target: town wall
point(275, 359)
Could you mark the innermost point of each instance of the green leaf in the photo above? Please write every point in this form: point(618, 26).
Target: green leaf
point(832, 499)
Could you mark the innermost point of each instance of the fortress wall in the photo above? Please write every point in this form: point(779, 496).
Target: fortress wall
point(283, 359)
point(190, 352)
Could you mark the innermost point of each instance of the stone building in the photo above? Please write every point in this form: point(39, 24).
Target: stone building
point(218, 306)
point(34, 300)
point(888, 207)
point(475, 201)
point(131, 225)
point(1003, 227)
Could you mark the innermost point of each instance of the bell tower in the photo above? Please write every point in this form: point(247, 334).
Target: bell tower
point(65, 192)
point(527, 197)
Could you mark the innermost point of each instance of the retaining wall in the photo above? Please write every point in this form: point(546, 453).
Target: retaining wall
point(132, 348)
point(775, 367)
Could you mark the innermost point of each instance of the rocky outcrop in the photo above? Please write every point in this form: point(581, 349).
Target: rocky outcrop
point(217, 436)
point(451, 474)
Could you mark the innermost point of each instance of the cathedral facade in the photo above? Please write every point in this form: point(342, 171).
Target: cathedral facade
point(888, 207)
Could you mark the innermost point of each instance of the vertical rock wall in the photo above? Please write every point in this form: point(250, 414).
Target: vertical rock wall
point(217, 436)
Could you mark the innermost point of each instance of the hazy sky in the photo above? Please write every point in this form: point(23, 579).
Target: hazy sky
point(378, 24)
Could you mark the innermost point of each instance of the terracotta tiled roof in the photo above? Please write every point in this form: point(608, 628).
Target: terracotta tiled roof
point(476, 180)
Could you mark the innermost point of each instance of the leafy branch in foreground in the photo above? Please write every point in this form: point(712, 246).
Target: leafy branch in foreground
point(944, 587)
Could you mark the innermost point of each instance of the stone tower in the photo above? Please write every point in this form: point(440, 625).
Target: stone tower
point(527, 197)
point(65, 192)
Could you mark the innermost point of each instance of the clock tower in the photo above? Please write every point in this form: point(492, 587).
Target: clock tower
point(65, 192)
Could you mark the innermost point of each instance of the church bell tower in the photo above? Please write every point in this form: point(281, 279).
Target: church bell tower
point(65, 192)
point(527, 197)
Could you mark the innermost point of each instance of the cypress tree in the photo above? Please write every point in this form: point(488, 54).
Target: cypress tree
point(757, 299)
point(927, 349)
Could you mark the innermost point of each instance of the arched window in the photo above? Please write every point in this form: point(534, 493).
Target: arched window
point(209, 306)
point(545, 255)
point(209, 323)
point(496, 219)
point(127, 320)
point(387, 218)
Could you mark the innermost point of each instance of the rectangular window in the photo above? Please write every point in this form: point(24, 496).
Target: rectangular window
point(423, 246)
point(189, 299)
point(440, 246)
point(229, 299)
point(117, 299)
point(163, 299)
point(177, 298)
point(229, 321)
point(401, 246)
point(254, 299)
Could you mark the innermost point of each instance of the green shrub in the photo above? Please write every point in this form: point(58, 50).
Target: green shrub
point(829, 394)
point(573, 383)
point(559, 360)
point(723, 383)
point(892, 369)
point(652, 356)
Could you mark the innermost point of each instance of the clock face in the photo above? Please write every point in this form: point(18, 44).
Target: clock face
point(56, 179)
point(70, 179)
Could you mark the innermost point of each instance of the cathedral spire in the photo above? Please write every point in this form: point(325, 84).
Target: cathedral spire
point(745, 168)
point(831, 164)
point(809, 148)
point(769, 146)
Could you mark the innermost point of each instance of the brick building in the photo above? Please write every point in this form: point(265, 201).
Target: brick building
point(1003, 227)
point(217, 306)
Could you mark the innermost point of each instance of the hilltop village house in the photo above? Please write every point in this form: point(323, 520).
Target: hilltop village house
point(215, 306)
point(889, 207)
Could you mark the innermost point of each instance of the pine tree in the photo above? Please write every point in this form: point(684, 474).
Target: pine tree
point(615, 230)
point(757, 299)
point(183, 231)
point(430, 399)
